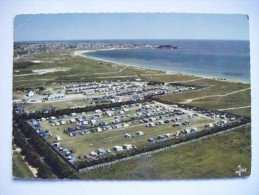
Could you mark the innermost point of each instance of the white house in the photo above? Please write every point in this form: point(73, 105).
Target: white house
point(55, 96)
point(30, 93)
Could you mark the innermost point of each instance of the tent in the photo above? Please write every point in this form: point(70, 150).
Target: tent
point(70, 129)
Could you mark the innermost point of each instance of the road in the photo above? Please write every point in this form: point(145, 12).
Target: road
point(234, 108)
point(190, 100)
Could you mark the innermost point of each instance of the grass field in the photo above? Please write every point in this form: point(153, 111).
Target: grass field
point(79, 69)
point(84, 144)
point(217, 95)
point(20, 169)
point(216, 157)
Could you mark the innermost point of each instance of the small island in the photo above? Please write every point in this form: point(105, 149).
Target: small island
point(166, 47)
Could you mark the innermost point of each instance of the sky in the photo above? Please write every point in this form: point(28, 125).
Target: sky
point(101, 26)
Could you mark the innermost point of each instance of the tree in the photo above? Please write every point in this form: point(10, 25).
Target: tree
point(44, 171)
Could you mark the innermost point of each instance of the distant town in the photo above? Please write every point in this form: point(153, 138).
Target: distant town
point(22, 48)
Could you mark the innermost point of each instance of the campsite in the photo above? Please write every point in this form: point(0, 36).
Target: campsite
point(87, 133)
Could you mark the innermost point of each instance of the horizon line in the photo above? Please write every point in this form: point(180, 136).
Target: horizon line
point(59, 40)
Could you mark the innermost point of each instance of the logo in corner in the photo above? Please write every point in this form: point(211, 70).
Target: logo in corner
point(239, 172)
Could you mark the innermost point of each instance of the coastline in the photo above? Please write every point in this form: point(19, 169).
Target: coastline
point(81, 52)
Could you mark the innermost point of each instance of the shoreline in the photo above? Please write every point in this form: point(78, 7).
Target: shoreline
point(81, 52)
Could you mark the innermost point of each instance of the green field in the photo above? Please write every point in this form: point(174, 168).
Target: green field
point(217, 95)
point(216, 157)
point(20, 169)
point(78, 69)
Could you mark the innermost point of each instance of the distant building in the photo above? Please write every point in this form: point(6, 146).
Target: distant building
point(55, 97)
point(89, 91)
point(30, 93)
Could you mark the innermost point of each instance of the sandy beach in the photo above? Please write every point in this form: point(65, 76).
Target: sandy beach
point(81, 52)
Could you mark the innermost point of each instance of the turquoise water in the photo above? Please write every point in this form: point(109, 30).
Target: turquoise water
point(217, 59)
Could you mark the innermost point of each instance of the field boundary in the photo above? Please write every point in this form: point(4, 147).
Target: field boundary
point(160, 150)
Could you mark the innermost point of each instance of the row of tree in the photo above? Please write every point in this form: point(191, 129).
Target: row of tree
point(155, 83)
point(78, 110)
point(185, 85)
point(31, 156)
point(61, 168)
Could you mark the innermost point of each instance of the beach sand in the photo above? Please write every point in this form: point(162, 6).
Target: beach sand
point(81, 52)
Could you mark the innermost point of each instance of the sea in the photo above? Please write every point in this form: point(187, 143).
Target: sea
point(224, 59)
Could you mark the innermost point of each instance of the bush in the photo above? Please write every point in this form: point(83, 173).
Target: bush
point(44, 171)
